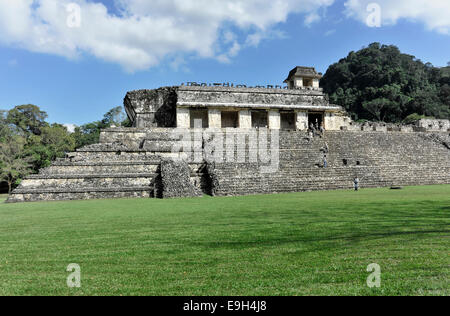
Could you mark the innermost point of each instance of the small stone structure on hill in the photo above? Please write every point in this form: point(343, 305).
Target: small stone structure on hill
point(225, 139)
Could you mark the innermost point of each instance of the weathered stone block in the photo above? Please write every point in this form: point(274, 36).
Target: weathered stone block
point(176, 180)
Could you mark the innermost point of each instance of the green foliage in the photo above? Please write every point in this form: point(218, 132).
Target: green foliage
point(14, 163)
point(380, 83)
point(89, 133)
point(27, 118)
point(127, 123)
point(446, 71)
point(5, 129)
point(445, 93)
point(29, 143)
point(54, 142)
point(414, 118)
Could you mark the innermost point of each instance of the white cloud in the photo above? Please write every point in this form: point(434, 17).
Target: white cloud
point(178, 63)
point(435, 14)
point(70, 127)
point(330, 32)
point(255, 38)
point(312, 18)
point(233, 51)
point(146, 31)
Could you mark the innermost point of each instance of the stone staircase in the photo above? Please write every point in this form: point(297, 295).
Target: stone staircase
point(127, 164)
point(379, 160)
point(66, 180)
point(105, 170)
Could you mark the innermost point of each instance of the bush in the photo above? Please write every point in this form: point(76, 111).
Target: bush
point(412, 118)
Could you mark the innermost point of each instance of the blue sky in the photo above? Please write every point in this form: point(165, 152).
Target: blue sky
point(78, 81)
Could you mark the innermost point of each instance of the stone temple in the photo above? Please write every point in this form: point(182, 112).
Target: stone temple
point(225, 139)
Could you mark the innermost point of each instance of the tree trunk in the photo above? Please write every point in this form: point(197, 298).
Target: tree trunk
point(9, 187)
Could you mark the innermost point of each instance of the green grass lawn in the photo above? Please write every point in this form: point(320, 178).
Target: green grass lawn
point(317, 243)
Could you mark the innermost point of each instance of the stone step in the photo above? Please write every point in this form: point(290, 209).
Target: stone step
point(99, 169)
point(67, 162)
point(85, 193)
point(349, 175)
point(106, 167)
point(331, 179)
point(137, 156)
point(90, 181)
point(244, 190)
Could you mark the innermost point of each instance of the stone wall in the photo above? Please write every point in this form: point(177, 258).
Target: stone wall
point(337, 121)
point(380, 127)
point(433, 125)
point(249, 97)
point(152, 108)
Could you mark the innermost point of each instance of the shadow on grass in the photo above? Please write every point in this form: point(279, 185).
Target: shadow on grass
point(343, 238)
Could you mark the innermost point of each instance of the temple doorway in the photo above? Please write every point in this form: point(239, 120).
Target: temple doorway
point(315, 118)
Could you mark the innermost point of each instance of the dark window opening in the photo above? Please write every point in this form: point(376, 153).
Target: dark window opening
point(307, 82)
point(345, 161)
point(358, 163)
point(230, 119)
point(260, 119)
point(288, 120)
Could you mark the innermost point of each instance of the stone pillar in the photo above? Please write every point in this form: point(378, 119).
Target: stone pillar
point(183, 118)
point(329, 122)
point(214, 118)
point(274, 119)
point(302, 121)
point(245, 119)
point(316, 83)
